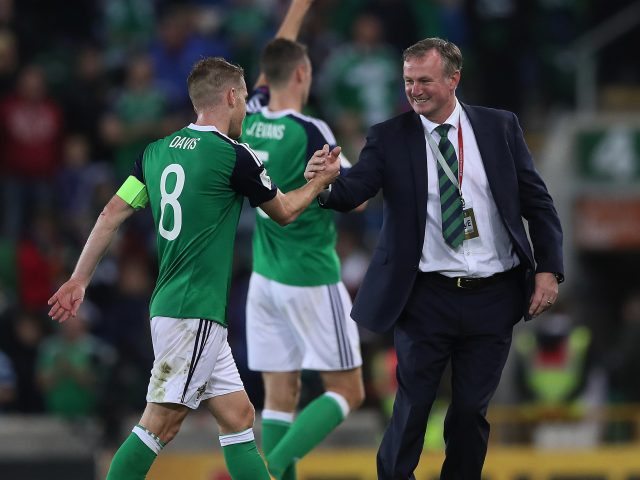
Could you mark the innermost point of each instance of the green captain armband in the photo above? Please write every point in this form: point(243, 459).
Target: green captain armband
point(134, 192)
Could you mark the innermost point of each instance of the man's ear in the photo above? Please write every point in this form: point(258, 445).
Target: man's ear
point(300, 73)
point(455, 79)
point(232, 97)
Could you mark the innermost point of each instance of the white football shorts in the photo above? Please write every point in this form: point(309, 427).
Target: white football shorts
point(292, 328)
point(193, 362)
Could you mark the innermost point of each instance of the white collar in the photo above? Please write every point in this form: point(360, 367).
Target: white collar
point(453, 120)
point(277, 114)
point(203, 128)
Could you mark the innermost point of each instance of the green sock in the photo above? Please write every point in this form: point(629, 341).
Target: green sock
point(243, 459)
point(313, 424)
point(134, 458)
point(272, 431)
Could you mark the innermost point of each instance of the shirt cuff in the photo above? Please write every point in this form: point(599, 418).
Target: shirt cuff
point(323, 196)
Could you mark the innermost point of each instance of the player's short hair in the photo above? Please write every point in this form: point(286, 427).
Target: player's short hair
point(280, 58)
point(449, 51)
point(208, 79)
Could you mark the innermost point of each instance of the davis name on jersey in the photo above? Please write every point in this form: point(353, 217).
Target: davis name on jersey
point(184, 142)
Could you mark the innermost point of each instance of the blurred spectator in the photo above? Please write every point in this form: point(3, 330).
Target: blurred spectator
point(72, 367)
point(138, 116)
point(624, 360)
point(441, 18)
point(350, 132)
point(7, 381)
point(76, 183)
point(31, 129)
point(354, 258)
point(246, 26)
point(14, 19)
point(128, 28)
point(41, 255)
point(48, 27)
point(361, 76)
point(553, 363)
point(497, 35)
point(546, 82)
point(8, 61)
point(8, 274)
point(558, 382)
point(27, 331)
point(398, 20)
point(85, 97)
point(125, 325)
point(319, 35)
point(175, 51)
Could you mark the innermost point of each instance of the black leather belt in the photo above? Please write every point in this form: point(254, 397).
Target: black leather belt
point(469, 283)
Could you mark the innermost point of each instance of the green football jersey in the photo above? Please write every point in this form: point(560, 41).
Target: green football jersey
point(195, 181)
point(302, 253)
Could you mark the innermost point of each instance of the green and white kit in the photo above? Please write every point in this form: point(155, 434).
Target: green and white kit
point(295, 294)
point(194, 181)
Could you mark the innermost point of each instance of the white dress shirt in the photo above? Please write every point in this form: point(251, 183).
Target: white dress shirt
point(492, 251)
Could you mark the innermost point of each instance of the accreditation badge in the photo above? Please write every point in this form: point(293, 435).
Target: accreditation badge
point(470, 225)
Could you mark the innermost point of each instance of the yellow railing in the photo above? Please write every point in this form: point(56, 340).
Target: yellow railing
point(504, 461)
point(516, 424)
point(619, 463)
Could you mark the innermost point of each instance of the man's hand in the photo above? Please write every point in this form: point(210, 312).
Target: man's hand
point(66, 301)
point(326, 165)
point(545, 293)
point(318, 163)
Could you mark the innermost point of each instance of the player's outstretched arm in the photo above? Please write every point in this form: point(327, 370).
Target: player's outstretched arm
point(285, 208)
point(293, 19)
point(66, 301)
point(290, 27)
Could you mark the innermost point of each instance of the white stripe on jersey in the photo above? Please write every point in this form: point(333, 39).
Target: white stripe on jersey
point(251, 152)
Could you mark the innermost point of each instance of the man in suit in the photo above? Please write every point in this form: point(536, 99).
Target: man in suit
point(453, 270)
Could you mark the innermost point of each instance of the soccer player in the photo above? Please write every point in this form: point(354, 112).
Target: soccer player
point(297, 307)
point(194, 181)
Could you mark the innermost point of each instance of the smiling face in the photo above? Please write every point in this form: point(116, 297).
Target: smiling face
point(429, 89)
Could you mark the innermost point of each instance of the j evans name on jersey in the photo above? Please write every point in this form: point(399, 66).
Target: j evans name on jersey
point(265, 130)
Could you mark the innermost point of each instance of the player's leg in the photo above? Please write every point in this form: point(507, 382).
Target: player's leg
point(331, 346)
point(235, 416)
point(173, 341)
point(344, 392)
point(234, 413)
point(281, 396)
point(273, 350)
point(186, 352)
point(158, 426)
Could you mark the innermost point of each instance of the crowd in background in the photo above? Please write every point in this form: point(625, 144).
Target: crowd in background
point(84, 88)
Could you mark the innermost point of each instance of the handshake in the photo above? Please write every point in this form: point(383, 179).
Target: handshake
point(324, 166)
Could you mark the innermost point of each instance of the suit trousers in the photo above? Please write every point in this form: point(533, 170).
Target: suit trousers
point(472, 328)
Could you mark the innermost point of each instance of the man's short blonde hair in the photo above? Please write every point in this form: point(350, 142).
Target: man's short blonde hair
point(209, 78)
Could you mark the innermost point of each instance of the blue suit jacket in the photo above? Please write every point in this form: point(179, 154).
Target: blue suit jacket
point(394, 160)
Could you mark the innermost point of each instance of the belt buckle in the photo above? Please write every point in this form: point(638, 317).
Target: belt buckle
point(459, 282)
